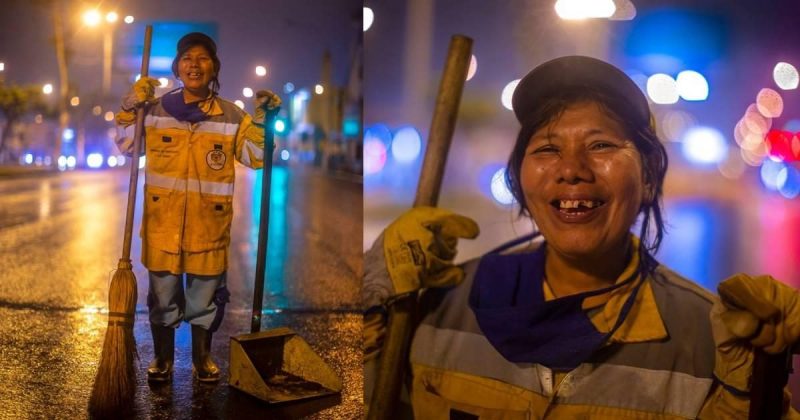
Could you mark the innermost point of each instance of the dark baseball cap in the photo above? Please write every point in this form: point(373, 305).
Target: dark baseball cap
point(196, 38)
point(575, 72)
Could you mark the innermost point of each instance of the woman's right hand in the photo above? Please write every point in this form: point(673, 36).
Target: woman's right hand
point(415, 251)
point(142, 92)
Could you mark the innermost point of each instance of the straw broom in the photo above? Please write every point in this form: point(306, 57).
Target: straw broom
point(115, 384)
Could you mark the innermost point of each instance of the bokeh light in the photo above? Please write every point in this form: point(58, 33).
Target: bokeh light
point(239, 103)
point(674, 124)
point(111, 161)
point(769, 103)
point(97, 110)
point(247, 92)
point(128, 19)
point(662, 89)
point(319, 89)
point(473, 67)
point(406, 144)
point(285, 155)
point(47, 89)
point(769, 173)
point(261, 71)
point(583, 9)
point(692, 86)
point(500, 191)
point(163, 82)
point(94, 160)
point(369, 18)
point(111, 17)
point(109, 116)
point(785, 76)
point(374, 156)
point(288, 87)
point(733, 167)
point(508, 93)
point(91, 17)
point(74, 101)
point(755, 122)
point(789, 182)
point(704, 145)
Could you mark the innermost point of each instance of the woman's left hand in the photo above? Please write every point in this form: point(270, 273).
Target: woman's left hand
point(267, 105)
point(762, 310)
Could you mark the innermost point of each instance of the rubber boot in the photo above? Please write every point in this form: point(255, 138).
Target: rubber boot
point(203, 368)
point(160, 369)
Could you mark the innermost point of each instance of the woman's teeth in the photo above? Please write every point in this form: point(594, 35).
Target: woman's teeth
point(574, 204)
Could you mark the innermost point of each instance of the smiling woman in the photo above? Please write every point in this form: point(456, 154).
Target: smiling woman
point(192, 139)
point(577, 320)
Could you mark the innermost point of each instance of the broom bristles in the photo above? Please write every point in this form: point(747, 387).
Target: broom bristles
point(115, 384)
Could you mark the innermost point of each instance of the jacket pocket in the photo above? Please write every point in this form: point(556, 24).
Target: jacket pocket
point(439, 394)
point(208, 223)
point(161, 221)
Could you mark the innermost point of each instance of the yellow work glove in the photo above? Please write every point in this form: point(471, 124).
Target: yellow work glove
point(752, 312)
point(413, 252)
point(267, 105)
point(761, 301)
point(419, 248)
point(142, 92)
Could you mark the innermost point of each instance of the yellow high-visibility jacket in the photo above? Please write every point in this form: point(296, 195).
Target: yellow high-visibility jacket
point(657, 365)
point(189, 179)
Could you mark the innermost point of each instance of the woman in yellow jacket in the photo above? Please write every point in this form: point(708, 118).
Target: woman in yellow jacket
point(192, 137)
point(582, 322)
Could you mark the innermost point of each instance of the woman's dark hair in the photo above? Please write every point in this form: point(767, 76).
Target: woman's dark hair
point(652, 151)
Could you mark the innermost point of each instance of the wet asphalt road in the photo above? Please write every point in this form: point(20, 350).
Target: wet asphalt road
point(61, 236)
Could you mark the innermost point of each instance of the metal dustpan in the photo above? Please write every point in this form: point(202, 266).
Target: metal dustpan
point(276, 365)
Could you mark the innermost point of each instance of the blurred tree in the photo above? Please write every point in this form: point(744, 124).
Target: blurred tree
point(15, 102)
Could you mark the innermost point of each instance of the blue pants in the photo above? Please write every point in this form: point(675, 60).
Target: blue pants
point(202, 303)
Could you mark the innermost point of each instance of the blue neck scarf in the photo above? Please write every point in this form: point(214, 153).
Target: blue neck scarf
point(507, 299)
point(174, 105)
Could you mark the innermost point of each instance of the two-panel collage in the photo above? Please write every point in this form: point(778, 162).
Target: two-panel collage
point(399, 209)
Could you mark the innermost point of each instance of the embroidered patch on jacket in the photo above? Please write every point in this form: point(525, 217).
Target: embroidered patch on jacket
point(216, 159)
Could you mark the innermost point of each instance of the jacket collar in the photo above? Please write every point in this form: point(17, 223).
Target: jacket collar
point(643, 323)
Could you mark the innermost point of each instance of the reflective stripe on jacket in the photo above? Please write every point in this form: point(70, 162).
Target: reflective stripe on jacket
point(189, 181)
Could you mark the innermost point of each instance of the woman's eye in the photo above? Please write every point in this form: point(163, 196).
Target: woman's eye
point(544, 149)
point(602, 145)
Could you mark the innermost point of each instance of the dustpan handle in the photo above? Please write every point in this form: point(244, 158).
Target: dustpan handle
point(263, 226)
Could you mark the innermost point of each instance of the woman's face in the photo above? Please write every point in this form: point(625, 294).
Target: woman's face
point(583, 183)
point(196, 68)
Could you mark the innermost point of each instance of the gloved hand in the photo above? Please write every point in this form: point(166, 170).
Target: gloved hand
point(413, 252)
point(142, 92)
point(267, 105)
point(751, 312)
point(761, 301)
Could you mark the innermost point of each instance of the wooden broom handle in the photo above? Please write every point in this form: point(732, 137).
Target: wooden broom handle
point(394, 354)
point(137, 139)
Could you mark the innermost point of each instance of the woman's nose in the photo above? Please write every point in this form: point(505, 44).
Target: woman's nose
point(573, 167)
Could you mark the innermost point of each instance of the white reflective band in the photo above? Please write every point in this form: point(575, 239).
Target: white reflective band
point(226, 129)
point(161, 181)
point(205, 187)
point(163, 122)
point(208, 187)
point(256, 152)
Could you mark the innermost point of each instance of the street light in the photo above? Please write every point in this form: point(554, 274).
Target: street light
point(91, 17)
